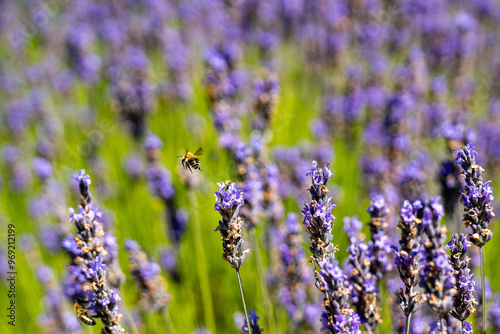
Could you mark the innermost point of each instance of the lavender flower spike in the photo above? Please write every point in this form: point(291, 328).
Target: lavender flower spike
point(438, 280)
point(318, 218)
point(379, 240)
point(89, 283)
point(152, 286)
point(228, 200)
point(103, 298)
point(337, 317)
point(476, 197)
point(463, 301)
point(408, 259)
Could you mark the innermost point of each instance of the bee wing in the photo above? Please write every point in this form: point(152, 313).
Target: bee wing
point(199, 152)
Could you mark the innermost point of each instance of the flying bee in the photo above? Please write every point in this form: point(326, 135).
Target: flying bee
point(84, 315)
point(190, 161)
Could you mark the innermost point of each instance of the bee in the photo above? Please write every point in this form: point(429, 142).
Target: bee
point(84, 315)
point(190, 161)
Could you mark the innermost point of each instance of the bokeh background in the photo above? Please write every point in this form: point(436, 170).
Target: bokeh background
point(381, 89)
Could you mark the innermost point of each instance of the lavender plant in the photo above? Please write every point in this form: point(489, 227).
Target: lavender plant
point(228, 201)
point(477, 198)
point(437, 275)
point(331, 280)
point(408, 259)
point(88, 279)
point(362, 284)
point(463, 301)
point(379, 243)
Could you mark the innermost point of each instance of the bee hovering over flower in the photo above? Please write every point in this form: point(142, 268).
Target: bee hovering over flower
point(190, 161)
point(84, 315)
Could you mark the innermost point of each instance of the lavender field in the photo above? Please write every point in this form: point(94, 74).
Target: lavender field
point(348, 172)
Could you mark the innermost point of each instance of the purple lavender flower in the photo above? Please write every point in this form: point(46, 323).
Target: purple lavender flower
point(254, 324)
point(463, 301)
point(318, 218)
point(102, 298)
point(228, 201)
point(408, 257)
point(337, 317)
point(362, 284)
point(438, 280)
point(477, 197)
point(379, 243)
point(42, 168)
point(151, 285)
point(88, 282)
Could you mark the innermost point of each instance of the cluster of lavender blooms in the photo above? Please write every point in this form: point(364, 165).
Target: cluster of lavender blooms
point(437, 279)
point(331, 280)
point(94, 274)
point(463, 301)
point(151, 285)
point(433, 46)
point(477, 197)
point(228, 200)
point(409, 258)
point(362, 284)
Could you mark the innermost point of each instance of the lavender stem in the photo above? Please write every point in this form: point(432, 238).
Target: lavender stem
point(407, 327)
point(408, 318)
point(204, 282)
point(243, 299)
point(483, 297)
point(263, 284)
point(443, 327)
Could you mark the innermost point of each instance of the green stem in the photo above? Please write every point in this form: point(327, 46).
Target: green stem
point(408, 318)
point(208, 310)
point(264, 289)
point(443, 324)
point(243, 299)
point(483, 297)
point(407, 327)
